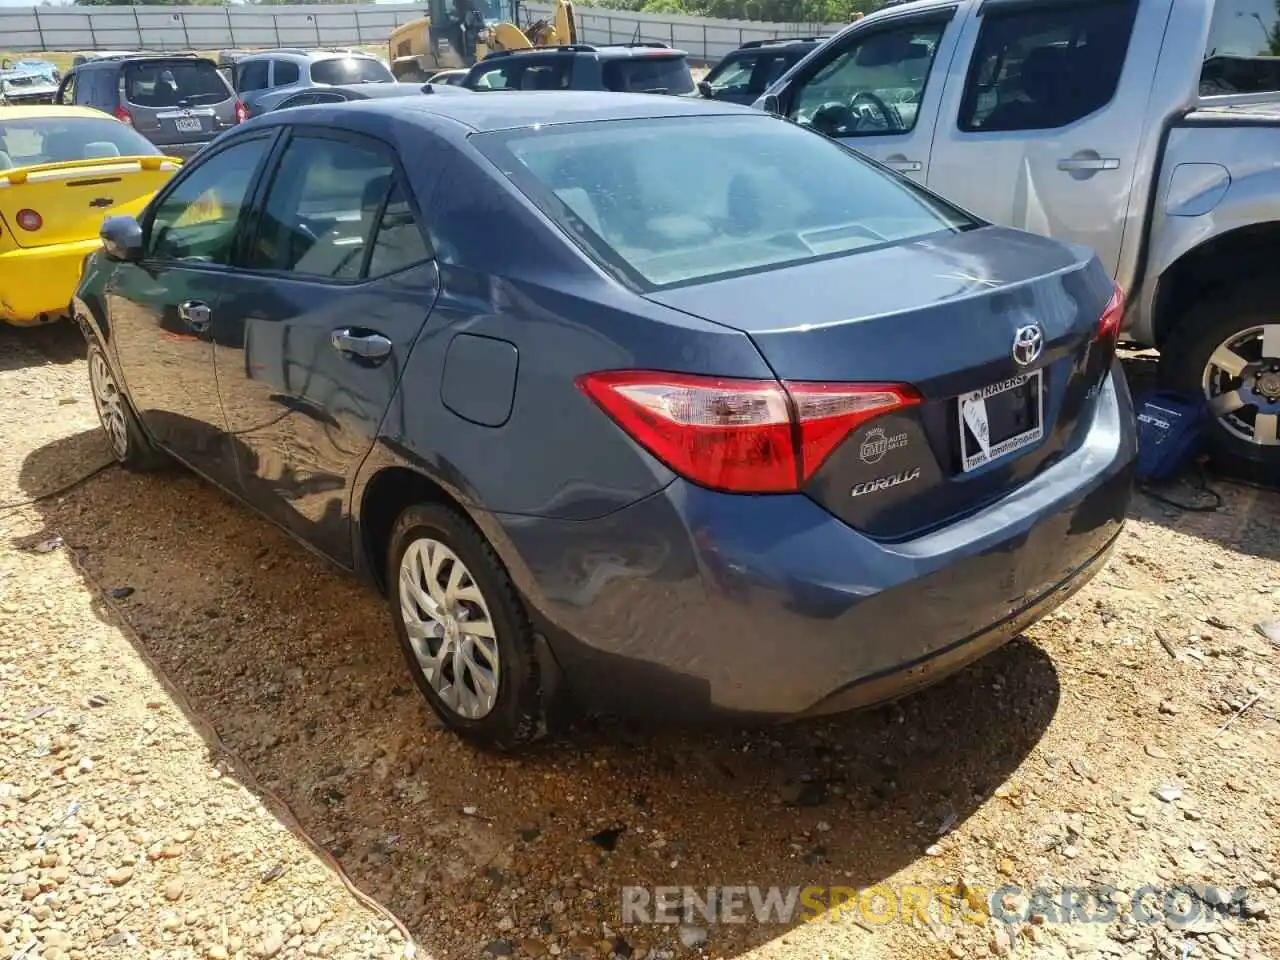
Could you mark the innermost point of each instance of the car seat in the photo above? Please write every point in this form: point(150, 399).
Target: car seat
point(6, 162)
point(1043, 80)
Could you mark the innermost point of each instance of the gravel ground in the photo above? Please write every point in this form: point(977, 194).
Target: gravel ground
point(1091, 753)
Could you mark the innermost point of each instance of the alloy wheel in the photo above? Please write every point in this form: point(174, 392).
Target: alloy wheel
point(449, 628)
point(110, 404)
point(1241, 383)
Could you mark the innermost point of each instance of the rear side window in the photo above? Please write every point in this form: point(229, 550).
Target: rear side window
point(58, 140)
point(1243, 49)
point(651, 74)
point(398, 242)
point(681, 200)
point(327, 203)
point(174, 83)
point(1045, 67)
point(253, 76)
point(350, 70)
point(518, 73)
point(286, 73)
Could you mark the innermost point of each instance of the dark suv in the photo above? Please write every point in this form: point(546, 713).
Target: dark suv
point(179, 103)
point(621, 68)
point(748, 71)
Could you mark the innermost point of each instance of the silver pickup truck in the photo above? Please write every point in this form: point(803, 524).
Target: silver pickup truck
point(1148, 130)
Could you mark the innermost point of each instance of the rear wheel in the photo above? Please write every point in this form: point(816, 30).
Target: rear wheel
point(129, 444)
point(1227, 350)
point(462, 628)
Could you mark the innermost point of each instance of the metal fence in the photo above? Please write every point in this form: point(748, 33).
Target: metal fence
point(218, 28)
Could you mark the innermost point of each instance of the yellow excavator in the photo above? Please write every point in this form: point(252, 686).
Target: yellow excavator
point(457, 33)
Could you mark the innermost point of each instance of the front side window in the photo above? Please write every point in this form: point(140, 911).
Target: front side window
point(350, 70)
point(286, 73)
point(174, 84)
point(516, 73)
point(1045, 67)
point(322, 208)
point(873, 86)
point(682, 200)
point(197, 220)
point(1243, 52)
point(648, 74)
point(733, 76)
point(61, 139)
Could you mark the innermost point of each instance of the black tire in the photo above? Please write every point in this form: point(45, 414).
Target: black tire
point(128, 442)
point(517, 716)
point(1207, 325)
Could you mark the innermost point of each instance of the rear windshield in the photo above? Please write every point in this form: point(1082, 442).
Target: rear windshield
point(682, 200)
point(1243, 52)
point(350, 70)
point(174, 84)
point(648, 75)
point(57, 140)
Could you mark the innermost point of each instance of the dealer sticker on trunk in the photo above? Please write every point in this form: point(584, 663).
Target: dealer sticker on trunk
point(1001, 418)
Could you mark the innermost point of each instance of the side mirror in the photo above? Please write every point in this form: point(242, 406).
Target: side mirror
point(772, 104)
point(704, 88)
point(122, 239)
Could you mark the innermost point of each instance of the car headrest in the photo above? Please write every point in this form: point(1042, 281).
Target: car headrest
point(96, 149)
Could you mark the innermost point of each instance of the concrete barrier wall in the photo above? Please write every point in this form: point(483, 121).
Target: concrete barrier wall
point(217, 28)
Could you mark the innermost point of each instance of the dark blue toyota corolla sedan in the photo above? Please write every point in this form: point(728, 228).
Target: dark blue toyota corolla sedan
point(667, 404)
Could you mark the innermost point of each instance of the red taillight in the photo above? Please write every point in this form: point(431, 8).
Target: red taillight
point(123, 115)
point(1112, 318)
point(29, 220)
point(241, 113)
point(743, 436)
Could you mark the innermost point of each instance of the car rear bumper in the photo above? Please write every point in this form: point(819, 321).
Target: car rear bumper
point(37, 284)
point(183, 151)
point(693, 604)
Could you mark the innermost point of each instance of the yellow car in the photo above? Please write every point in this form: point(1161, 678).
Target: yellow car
point(62, 170)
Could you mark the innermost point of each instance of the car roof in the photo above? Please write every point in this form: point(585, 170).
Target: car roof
point(780, 43)
point(42, 110)
point(617, 51)
point(300, 53)
point(370, 90)
point(506, 110)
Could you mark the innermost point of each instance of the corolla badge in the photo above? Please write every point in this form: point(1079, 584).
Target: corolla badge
point(884, 483)
point(1028, 343)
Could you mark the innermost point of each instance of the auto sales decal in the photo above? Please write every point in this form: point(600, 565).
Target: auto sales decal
point(884, 483)
point(877, 443)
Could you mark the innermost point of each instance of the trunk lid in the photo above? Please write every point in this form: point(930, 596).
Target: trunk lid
point(73, 198)
point(177, 101)
point(940, 314)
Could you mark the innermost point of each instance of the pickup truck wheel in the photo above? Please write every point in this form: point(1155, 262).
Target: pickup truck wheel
point(463, 629)
point(1227, 349)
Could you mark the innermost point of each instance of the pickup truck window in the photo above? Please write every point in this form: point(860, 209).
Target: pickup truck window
point(873, 86)
point(1044, 67)
point(1244, 42)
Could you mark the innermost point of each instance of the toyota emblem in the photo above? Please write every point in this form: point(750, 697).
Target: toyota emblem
point(1028, 342)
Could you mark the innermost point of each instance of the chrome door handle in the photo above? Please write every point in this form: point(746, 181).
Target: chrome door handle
point(365, 346)
point(1076, 164)
point(195, 314)
point(899, 162)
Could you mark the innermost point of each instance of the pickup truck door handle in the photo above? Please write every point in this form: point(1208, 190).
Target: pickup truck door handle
point(902, 164)
point(1080, 164)
point(195, 314)
point(360, 344)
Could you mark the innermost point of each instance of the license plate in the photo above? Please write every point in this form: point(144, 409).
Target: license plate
point(1001, 418)
point(187, 124)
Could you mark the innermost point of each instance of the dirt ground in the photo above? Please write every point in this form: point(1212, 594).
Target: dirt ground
point(1131, 741)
